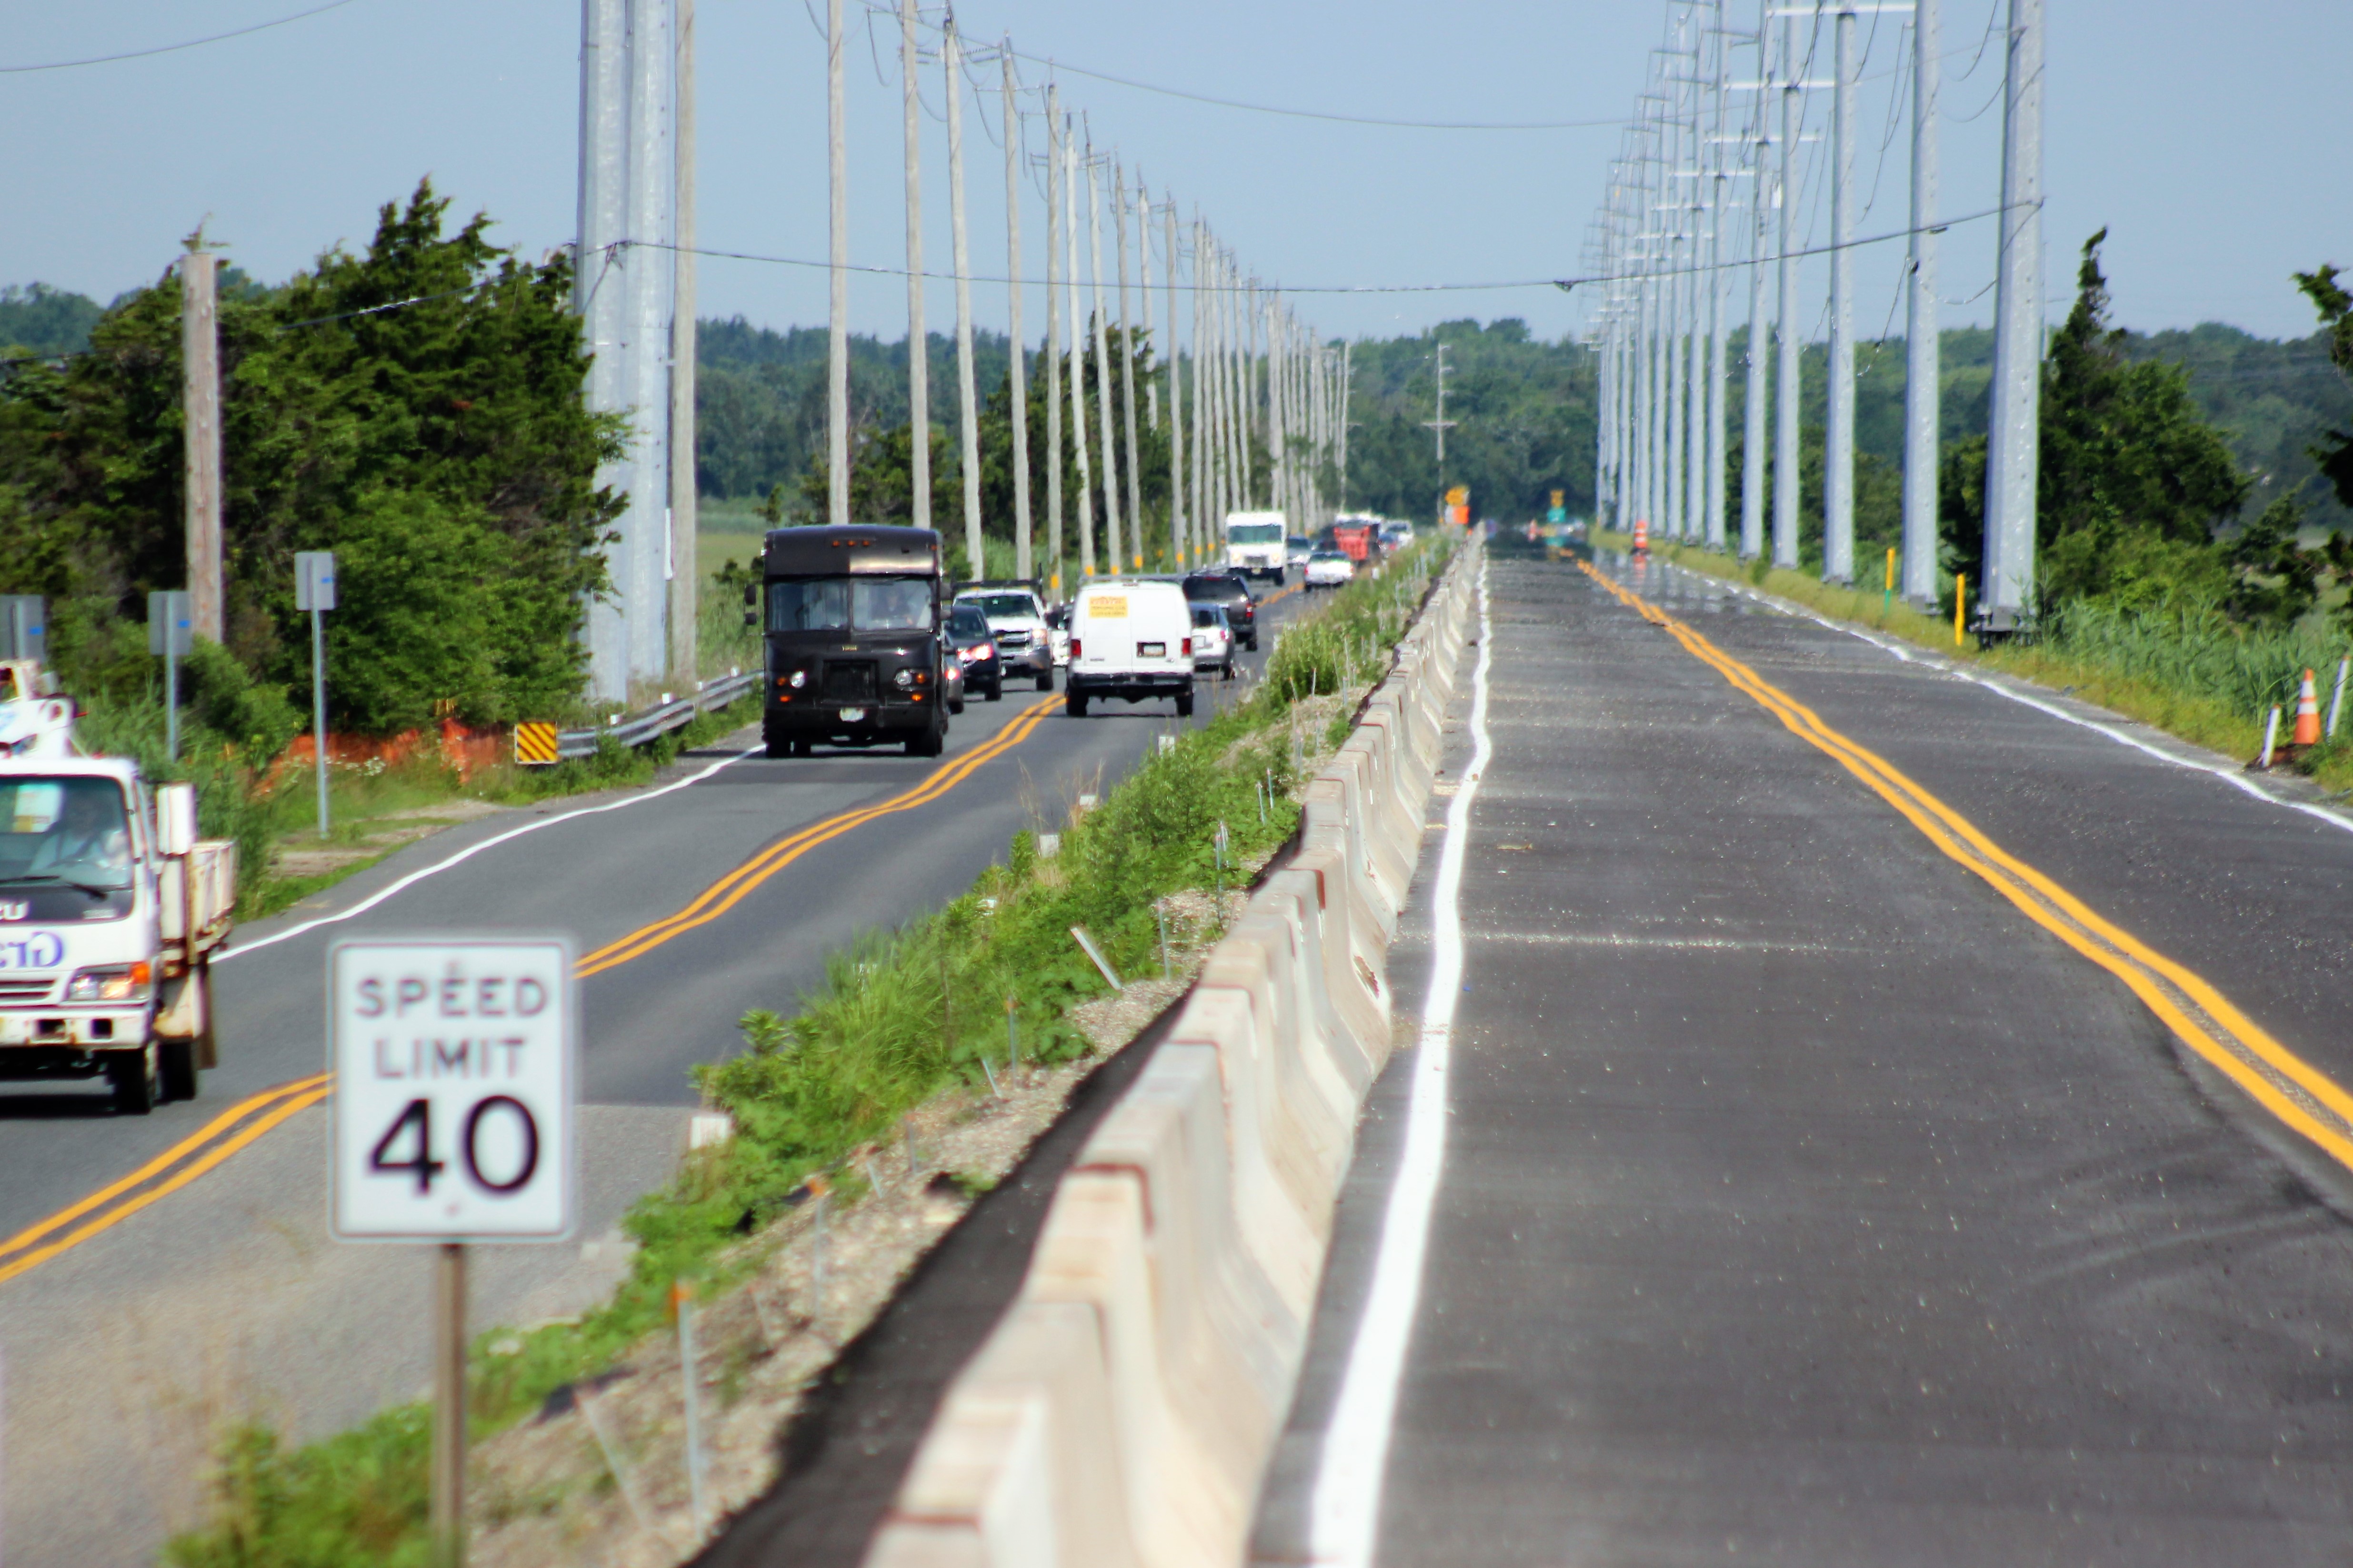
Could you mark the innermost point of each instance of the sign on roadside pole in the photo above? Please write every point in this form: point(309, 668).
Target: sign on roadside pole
point(314, 589)
point(455, 1079)
point(171, 631)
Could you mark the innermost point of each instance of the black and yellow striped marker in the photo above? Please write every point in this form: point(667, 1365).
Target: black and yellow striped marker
point(534, 744)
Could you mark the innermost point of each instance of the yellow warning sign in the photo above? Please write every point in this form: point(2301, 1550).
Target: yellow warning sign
point(1108, 607)
point(534, 744)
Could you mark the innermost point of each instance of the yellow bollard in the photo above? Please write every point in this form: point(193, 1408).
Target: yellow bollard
point(1887, 595)
point(1960, 598)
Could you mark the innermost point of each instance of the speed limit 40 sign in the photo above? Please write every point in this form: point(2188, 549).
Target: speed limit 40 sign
point(454, 1083)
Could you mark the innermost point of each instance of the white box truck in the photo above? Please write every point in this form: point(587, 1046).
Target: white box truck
point(1255, 543)
point(110, 910)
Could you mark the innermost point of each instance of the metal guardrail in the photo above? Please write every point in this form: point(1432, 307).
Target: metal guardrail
point(637, 728)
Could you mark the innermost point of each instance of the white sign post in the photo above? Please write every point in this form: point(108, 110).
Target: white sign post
point(455, 1079)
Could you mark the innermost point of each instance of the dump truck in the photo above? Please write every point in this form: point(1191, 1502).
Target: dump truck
point(111, 910)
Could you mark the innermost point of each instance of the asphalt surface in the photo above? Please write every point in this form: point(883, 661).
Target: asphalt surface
point(1803, 1201)
point(227, 1297)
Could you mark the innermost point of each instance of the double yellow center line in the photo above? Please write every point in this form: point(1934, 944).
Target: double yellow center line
point(2290, 1088)
point(250, 1119)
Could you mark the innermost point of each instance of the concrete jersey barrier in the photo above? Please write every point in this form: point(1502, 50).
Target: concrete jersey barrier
point(1121, 1412)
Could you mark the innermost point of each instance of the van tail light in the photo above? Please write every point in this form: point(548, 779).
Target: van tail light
point(1074, 647)
point(1186, 648)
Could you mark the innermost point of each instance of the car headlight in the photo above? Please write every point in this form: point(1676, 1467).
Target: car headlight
point(799, 680)
point(904, 680)
point(110, 982)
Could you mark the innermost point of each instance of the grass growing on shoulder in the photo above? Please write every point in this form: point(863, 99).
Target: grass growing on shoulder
point(901, 1017)
point(2189, 672)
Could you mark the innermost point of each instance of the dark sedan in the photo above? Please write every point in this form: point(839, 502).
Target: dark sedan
point(975, 646)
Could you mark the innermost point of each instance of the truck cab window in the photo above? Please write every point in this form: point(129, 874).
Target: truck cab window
point(64, 829)
point(849, 604)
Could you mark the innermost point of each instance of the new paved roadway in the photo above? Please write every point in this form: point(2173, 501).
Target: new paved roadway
point(160, 1276)
point(1884, 1121)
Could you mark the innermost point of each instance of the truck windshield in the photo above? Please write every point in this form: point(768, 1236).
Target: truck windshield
point(1253, 533)
point(851, 603)
point(63, 830)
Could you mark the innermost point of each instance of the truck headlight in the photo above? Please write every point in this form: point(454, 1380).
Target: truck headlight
point(904, 679)
point(111, 983)
point(799, 679)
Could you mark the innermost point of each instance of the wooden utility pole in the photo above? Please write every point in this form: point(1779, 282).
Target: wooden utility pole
point(686, 570)
point(1021, 553)
point(200, 411)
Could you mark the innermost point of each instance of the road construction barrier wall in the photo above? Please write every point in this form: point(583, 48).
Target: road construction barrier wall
point(1121, 1414)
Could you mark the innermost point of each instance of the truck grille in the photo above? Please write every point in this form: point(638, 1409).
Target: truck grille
point(1012, 639)
point(850, 681)
point(13, 990)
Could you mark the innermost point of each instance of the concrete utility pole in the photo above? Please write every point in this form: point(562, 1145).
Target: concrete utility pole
point(1054, 338)
point(1086, 520)
point(967, 411)
point(1442, 424)
point(600, 297)
point(1112, 554)
point(1278, 414)
point(1785, 401)
point(837, 368)
point(1143, 283)
point(1760, 333)
point(919, 371)
point(649, 267)
point(1347, 366)
point(1203, 376)
point(1018, 371)
point(1127, 367)
point(1719, 323)
point(1676, 282)
point(1922, 375)
point(685, 494)
point(201, 434)
point(2013, 438)
point(1838, 464)
point(1180, 515)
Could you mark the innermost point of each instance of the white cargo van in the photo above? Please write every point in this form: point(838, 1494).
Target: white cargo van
point(1133, 639)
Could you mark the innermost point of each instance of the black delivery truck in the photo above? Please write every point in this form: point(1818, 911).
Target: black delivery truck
point(853, 635)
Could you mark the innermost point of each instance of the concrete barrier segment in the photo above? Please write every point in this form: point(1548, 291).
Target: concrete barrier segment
point(1302, 1023)
point(1395, 825)
point(1188, 1492)
point(1170, 1130)
point(1358, 772)
point(1021, 1466)
point(1348, 1015)
point(1303, 1149)
point(1286, 1248)
point(1353, 971)
point(1325, 822)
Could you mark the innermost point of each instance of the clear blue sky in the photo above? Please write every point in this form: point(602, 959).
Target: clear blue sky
point(2210, 140)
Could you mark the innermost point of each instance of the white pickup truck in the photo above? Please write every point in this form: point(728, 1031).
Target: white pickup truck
point(110, 910)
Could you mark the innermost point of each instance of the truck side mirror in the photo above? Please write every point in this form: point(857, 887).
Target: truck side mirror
point(175, 818)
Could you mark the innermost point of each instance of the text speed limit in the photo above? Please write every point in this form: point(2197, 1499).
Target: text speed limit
point(453, 1068)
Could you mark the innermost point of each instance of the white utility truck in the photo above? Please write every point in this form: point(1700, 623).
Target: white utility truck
point(110, 910)
point(1255, 543)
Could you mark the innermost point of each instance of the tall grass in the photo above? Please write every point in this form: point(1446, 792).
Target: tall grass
point(2197, 652)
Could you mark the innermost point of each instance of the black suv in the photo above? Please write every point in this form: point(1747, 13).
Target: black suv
point(1229, 591)
point(976, 644)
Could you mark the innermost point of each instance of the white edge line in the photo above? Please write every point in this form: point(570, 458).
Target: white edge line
point(468, 853)
point(1345, 1511)
point(2228, 775)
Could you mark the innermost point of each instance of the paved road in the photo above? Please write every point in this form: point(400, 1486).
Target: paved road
point(1802, 1200)
point(225, 1296)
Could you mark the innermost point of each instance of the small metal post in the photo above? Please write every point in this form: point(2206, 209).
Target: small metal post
point(2271, 736)
point(682, 1295)
point(1160, 914)
point(989, 1073)
point(2336, 699)
point(1012, 1031)
point(318, 708)
point(171, 697)
point(448, 1499)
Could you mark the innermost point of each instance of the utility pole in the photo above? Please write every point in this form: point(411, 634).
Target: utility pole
point(1143, 277)
point(837, 368)
point(1086, 519)
point(1922, 375)
point(1054, 338)
point(1442, 424)
point(201, 433)
point(1719, 324)
point(1112, 555)
point(600, 297)
point(1128, 366)
point(1347, 365)
point(919, 372)
point(1180, 516)
point(685, 493)
point(1278, 413)
point(968, 420)
point(1785, 401)
point(2013, 436)
point(1019, 381)
point(1760, 334)
point(1838, 465)
point(648, 269)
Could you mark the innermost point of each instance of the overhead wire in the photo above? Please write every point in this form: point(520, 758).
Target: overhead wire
point(185, 44)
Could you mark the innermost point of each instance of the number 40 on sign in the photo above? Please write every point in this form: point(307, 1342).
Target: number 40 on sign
point(454, 1085)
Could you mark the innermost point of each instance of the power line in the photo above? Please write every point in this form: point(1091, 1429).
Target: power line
point(189, 44)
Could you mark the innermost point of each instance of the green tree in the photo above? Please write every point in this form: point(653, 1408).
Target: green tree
point(2334, 452)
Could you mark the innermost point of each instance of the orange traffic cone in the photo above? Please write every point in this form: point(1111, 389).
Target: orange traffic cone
point(1641, 536)
point(2308, 714)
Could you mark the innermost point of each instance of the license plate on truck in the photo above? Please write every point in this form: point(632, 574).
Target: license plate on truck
point(853, 715)
point(1152, 651)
